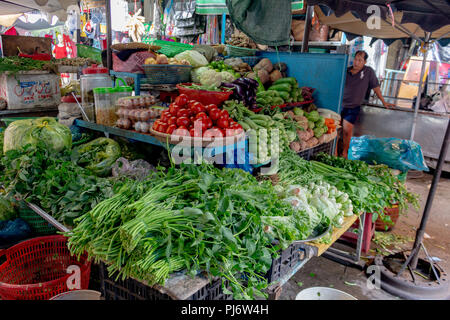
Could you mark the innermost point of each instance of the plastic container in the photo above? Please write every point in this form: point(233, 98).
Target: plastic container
point(105, 110)
point(92, 77)
point(39, 225)
point(323, 293)
point(69, 106)
point(121, 91)
point(203, 96)
point(78, 295)
point(36, 269)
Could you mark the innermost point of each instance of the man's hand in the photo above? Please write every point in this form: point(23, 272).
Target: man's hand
point(388, 105)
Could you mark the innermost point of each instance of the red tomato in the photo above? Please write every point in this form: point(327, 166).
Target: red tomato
point(156, 125)
point(195, 109)
point(165, 116)
point(195, 133)
point(181, 100)
point(210, 106)
point(201, 115)
point(212, 133)
point(209, 123)
point(201, 123)
point(183, 121)
point(192, 118)
point(172, 120)
point(223, 123)
point(224, 113)
point(214, 114)
point(181, 131)
point(191, 103)
point(173, 109)
point(163, 127)
point(183, 113)
point(171, 128)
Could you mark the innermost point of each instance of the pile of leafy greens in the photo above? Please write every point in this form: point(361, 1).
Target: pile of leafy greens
point(52, 181)
point(196, 217)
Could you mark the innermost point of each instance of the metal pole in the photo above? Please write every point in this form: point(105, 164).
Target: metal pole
point(309, 13)
point(419, 93)
point(108, 35)
point(437, 175)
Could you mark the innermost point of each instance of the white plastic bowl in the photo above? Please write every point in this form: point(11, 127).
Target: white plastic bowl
point(323, 293)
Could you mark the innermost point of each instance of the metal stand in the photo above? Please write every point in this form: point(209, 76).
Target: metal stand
point(346, 258)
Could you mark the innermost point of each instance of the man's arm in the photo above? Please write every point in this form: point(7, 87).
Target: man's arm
point(380, 96)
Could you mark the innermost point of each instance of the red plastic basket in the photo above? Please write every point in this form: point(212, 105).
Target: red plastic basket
point(203, 96)
point(36, 269)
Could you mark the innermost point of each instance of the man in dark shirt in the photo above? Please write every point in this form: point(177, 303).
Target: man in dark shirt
point(360, 78)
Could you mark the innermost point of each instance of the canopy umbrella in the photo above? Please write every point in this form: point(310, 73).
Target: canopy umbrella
point(12, 10)
point(421, 20)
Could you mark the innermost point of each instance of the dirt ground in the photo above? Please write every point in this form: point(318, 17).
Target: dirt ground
point(322, 272)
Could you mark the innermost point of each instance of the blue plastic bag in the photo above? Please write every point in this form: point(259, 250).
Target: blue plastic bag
point(396, 153)
point(14, 230)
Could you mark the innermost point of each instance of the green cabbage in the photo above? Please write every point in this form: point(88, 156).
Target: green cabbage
point(195, 58)
point(313, 116)
point(46, 130)
point(98, 156)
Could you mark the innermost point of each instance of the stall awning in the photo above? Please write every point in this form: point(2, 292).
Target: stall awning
point(430, 16)
point(216, 7)
point(11, 10)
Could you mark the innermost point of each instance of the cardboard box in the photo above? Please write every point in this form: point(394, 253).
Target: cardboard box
point(30, 89)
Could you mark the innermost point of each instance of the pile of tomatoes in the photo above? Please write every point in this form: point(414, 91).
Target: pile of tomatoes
point(191, 118)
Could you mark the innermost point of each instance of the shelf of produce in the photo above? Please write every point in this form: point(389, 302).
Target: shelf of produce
point(143, 137)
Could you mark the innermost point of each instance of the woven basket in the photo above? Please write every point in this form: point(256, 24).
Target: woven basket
point(134, 45)
point(167, 73)
point(240, 52)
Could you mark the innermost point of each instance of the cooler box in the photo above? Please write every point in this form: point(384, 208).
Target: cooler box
point(30, 89)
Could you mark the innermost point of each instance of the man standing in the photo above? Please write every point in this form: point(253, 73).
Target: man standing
point(360, 78)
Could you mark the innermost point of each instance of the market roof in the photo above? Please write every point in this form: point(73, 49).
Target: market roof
point(12, 10)
point(416, 16)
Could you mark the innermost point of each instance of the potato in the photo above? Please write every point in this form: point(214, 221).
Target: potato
point(312, 142)
point(150, 61)
point(300, 119)
point(265, 64)
point(303, 145)
point(162, 59)
point(275, 75)
point(289, 114)
point(295, 146)
point(310, 132)
point(263, 75)
point(303, 135)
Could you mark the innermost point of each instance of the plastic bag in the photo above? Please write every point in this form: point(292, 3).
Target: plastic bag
point(97, 156)
point(396, 153)
point(14, 230)
point(137, 169)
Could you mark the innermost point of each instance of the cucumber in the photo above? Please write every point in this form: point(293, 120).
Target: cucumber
point(284, 95)
point(281, 87)
point(251, 123)
point(290, 80)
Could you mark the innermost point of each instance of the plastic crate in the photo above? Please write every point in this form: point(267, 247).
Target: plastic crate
point(324, 147)
point(38, 225)
point(131, 289)
point(285, 263)
point(166, 74)
point(170, 48)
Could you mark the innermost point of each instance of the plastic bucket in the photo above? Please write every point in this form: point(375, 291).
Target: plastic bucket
point(78, 295)
point(323, 293)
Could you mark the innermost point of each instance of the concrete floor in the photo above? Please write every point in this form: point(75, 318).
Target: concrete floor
point(322, 272)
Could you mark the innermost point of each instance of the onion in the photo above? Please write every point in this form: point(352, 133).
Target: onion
point(145, 126)
point(126, 124)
